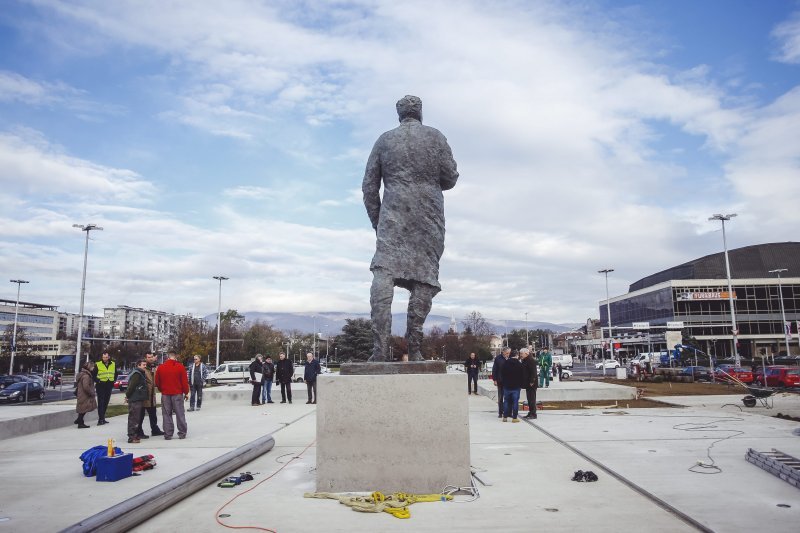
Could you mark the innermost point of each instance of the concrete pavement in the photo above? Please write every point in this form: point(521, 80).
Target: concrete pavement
point(643, 457)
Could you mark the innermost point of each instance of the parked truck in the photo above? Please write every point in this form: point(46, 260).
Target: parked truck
point(654, 358)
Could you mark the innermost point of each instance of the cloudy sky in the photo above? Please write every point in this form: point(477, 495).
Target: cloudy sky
point(230, 138)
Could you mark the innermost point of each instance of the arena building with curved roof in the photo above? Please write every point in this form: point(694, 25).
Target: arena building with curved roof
point(691, 300)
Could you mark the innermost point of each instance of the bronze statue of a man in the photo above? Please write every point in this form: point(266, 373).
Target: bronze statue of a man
point(415, 164)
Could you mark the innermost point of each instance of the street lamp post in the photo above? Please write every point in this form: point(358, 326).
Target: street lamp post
point(722, 218)
point(526, 331)
point(608, 312)
point(786, 333)
point(219, 311)
point(19, 283)
point(87, 228)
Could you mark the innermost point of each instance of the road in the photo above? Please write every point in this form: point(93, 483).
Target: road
point(61, 392)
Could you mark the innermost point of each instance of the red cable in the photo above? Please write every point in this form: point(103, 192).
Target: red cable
point(257, 528)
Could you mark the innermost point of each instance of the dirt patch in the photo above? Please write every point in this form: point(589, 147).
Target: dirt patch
point(602, 405)
point(678, 389)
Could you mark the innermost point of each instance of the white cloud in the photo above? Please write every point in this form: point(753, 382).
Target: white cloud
point(30, 165)
point(788, 36)
point(558, 119)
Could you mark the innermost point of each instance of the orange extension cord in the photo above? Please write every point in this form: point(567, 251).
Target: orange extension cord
point(257, 528)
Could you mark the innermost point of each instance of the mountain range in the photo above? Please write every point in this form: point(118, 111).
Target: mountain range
point(332, 322)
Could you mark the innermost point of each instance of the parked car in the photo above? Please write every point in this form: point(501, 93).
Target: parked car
point(53, 377)
point(231, 372)
point(607, 363)
point(725, 372)
point(5, 381)
point(779, 376)
point(699, 373)
point(38, 378)
point(122, 382)
point(16, 392)
point(566, 374)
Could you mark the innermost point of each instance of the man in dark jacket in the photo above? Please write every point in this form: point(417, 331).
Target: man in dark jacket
point(284, 371)
point(512, 383)
point(310, 374)
point(529, 380)
point(472, 366)
point(266, 384)
point(497, 377)
point(150, 403)
point(256, 375)
point(135, 395)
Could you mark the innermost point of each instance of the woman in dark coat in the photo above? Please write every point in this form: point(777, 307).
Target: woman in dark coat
point(87, 396)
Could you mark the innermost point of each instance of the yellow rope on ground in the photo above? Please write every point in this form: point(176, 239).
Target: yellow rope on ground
point(395, 504)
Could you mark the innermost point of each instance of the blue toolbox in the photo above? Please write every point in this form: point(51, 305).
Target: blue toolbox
point(114, 468)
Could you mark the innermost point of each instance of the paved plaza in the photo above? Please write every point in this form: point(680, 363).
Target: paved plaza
point(646, 461)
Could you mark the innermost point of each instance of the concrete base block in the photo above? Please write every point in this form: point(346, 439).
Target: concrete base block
point(392, 433)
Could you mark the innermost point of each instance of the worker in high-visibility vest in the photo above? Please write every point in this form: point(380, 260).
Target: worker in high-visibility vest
point(105, 376)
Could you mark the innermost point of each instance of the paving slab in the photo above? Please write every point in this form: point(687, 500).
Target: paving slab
point(659, 451)
point(50, 492)
point(530, 490)
point(572, 390)
point(527, 468)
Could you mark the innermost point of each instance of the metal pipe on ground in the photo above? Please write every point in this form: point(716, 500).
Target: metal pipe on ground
point(133, 511)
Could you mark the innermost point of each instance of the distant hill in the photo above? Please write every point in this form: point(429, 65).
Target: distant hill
point(334, 321)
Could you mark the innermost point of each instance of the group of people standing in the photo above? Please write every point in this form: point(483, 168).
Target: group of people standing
point(515, 370)
point(263, 372)
point(94, 384)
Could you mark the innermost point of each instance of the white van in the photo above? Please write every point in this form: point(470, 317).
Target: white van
point(231, 372)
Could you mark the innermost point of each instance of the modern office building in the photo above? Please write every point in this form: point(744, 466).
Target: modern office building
point(691, 301)
point(37, 327)
point(133, 323)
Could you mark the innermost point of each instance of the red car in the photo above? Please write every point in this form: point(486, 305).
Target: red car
point(121, 383)
point(726, 372)
point(779, 376)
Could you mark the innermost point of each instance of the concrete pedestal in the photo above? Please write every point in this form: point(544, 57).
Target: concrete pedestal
point(392, 433)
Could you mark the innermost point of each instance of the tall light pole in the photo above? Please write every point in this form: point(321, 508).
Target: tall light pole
point(786, 333)
point(19, 283)
point(526, 331)
point(734, 331)
point(87, 228)
point(608, 312)
point(327, 342)
point(219, 312)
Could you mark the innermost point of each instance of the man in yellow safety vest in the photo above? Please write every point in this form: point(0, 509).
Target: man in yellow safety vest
point(105, 376)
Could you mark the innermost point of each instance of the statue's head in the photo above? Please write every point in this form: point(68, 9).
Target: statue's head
point(409, 107)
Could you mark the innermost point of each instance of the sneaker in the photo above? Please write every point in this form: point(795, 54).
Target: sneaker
point(315, 401)
point(158, 433)
point(515, 420)
point(505, 419)
point(167, 438)
point(198, 408)
point(133, 440)
point(270, 401)
point(181, 436)
point(82, 426)
point(283, 401)
point(190, 409)
point(143, 436)
point(309, 401)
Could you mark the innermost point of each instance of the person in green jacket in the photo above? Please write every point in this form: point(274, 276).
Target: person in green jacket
point(135, 395)
point(545, 364)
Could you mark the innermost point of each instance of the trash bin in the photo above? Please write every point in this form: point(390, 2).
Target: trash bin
point(622, 372)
